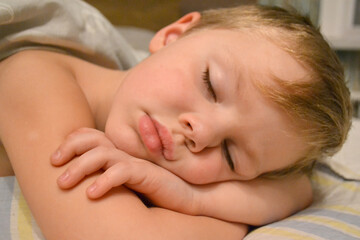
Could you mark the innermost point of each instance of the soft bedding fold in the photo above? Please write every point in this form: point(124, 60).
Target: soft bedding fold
point(62, 25)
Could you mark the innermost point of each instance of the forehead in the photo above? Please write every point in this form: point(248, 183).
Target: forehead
point(258, 52)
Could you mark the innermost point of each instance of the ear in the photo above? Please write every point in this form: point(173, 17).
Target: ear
point(173, 31)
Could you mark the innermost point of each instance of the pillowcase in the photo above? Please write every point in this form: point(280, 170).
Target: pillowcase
point(347, 161)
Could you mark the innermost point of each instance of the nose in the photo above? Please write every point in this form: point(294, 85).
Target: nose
point(200, 131)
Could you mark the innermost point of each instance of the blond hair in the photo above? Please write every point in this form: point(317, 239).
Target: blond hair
point(320, 103)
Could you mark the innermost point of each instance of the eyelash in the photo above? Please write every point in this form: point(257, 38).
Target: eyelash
point(206, 78)
point(227, 155)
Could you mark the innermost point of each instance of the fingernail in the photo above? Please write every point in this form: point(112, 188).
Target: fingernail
point(64, 176)
point(56, 155)
point(92, 188)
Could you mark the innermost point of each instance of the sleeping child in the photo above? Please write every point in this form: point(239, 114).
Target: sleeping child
point(211, 120)
point(224, 120)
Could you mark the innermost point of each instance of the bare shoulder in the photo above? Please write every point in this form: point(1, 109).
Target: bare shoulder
point(28, 72)
point(37, 86)
point(30, 59)
point(34, 68)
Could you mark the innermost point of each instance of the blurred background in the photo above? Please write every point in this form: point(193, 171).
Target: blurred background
point(154, 14)
point(339, 21)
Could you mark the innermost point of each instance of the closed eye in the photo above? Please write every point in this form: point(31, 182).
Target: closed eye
point(227, 155)
point(207, 81)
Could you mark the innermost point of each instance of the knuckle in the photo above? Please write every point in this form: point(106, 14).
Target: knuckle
point(99, 141)
point(113, 171)
point(83, 130)
point(101, 150)
point(104, 179)
point(71, 136)
point(78, 132)
point(102, 139)
point(103, 153)
point(74, 167)
point(78, 168)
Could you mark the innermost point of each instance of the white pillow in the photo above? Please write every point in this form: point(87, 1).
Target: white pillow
point(347, 161)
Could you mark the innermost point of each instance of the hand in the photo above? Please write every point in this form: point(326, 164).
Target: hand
point(95, 151)
point(76, 144)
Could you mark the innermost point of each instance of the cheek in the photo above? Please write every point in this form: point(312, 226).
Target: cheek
point(168, 85)
point(120, 135)
point(120, 131)
point(204, 170)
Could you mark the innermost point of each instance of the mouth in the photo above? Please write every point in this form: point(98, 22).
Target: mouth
point(156, 137)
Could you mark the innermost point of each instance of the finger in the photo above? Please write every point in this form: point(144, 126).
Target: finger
point(86, 164)
point(113, 177)
point(78, 143)
point(137, 174)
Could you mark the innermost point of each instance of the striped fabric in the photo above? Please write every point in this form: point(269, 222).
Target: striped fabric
point(16, 221)
point(334, 215)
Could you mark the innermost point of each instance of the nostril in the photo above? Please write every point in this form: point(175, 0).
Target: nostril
point(189, 125)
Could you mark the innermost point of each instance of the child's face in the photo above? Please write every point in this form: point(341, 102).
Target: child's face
point(165, 112)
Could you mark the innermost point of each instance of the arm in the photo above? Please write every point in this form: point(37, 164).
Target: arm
point(34, 80)
point(254, 202)
point(259, 201)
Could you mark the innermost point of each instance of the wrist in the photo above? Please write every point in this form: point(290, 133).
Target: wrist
point(198, 204)
point(191, 202)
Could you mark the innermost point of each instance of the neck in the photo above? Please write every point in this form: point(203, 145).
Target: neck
point(105, 97)
point(99, 86)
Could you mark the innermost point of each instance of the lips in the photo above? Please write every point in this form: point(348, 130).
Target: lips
point(156, 137)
